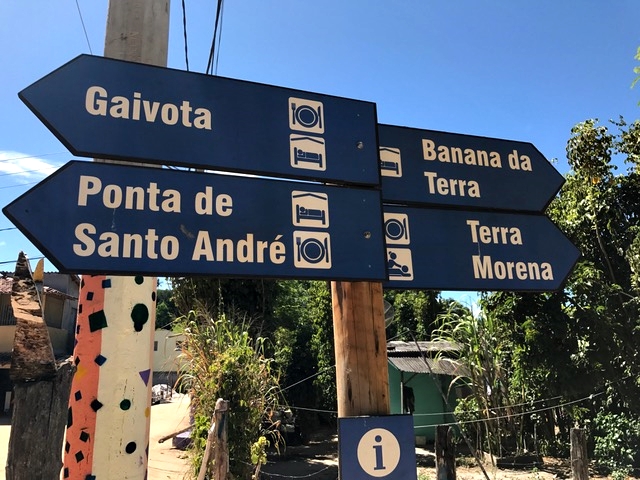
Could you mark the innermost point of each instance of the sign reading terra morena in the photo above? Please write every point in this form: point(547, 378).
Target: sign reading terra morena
point(425, 167)
point(103, 218)
point(475, 250)
point(105, 108)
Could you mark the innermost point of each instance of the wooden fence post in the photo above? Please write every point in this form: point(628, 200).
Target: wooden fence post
point(217, 443)
point(579, 459)
point(445, 454)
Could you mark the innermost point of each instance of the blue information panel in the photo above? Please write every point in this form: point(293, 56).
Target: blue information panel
point(426, 167)
point(466, 250)
point(107, 108)
point(377, 447)
point(103, 218)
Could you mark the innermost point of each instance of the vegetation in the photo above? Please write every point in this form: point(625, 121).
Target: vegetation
point(539, 363)
point(223, 361)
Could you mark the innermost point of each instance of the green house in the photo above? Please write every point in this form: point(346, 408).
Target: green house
point(420, 375)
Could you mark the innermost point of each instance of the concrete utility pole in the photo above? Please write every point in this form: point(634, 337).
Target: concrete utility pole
point(109, 406)
point(362, 374)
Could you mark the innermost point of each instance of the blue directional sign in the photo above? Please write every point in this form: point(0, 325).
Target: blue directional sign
point(475, 250)
point(377, 447)
point(103, 218)
point(100, 107)
point(426, 167)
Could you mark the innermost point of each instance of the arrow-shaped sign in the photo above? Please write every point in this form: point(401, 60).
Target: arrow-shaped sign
point(100, 107)
point(463, 250)
point(426, 167)
point(103, 218)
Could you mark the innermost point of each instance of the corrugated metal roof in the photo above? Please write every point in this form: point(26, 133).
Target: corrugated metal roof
point(421, 346)
point(441, 366)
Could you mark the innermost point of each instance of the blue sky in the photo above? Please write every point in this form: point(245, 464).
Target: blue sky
point(520, 70)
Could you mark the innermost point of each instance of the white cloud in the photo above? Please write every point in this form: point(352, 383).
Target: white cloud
point(24, 166)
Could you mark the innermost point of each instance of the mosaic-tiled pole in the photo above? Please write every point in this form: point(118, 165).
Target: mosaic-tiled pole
point(108, 426)
point(108, 422)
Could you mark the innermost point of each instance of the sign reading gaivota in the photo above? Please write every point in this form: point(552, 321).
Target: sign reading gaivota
point(100, 107)
point(472, 250)
point(104, 218)
point(426, 167)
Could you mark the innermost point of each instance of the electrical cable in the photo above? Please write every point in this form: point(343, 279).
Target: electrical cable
point(184, 32)
point(212, 51)
point(31, 156)
point(84, 28)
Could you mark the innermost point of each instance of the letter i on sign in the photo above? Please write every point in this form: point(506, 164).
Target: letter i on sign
point(378, 450)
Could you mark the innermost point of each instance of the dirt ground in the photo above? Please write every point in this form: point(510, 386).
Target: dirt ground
point(317, 460)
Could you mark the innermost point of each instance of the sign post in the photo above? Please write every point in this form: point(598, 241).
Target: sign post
point(132, 220)
point(130, 111)
point(425, 167)
point(439, 249)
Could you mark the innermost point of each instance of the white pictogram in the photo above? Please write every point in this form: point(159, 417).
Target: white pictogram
point(378, 452)
point(310, 209)
point(307, 152)
point(390, 162)
point(312, 250)
point(306, 115)
point(396, 229)
point(399, 264)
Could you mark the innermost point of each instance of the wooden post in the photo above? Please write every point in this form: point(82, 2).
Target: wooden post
point(445, 454)
point(221, 448)
point(41, 388)
point(579, 458)
point(217, 445)
point(362, 375)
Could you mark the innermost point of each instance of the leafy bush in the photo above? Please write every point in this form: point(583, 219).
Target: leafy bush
point(616, 442)
point(221, 360)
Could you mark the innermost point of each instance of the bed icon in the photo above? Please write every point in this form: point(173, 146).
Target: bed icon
point(390, 162)
point(307, 152)
point(310, 209)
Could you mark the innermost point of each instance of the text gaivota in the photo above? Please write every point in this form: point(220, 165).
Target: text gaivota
point(99, 102)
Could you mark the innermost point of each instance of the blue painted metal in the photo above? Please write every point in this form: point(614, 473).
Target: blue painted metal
point(83, 217)
point(377, 447)
point(106, 108)
point(475, 250)
point(482, 173)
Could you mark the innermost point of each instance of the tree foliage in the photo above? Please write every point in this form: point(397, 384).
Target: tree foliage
point(582, 342)
point(221, 360)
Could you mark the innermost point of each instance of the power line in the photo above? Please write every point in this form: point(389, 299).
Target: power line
point(22, 172)
point(31, 156)
point(83, 27)
point(184, 31)
point(216, 37)
point(30, 258)
point(19, 185)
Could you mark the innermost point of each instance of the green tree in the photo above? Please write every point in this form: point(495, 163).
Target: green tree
point(415, 313)
point(221, 360)
point(584, 339)
point(166, 311)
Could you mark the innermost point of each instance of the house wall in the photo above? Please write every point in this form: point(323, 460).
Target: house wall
point(166, 350)
point(430, 409)
point(58, 337)
point(53, 308)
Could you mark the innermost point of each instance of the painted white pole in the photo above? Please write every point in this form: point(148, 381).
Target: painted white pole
point(109, 407)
